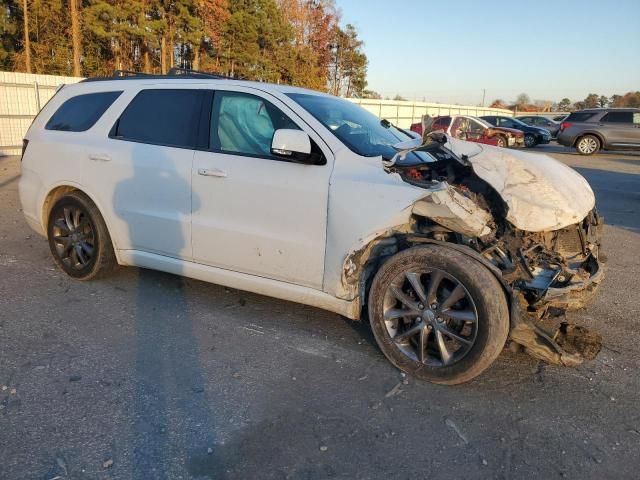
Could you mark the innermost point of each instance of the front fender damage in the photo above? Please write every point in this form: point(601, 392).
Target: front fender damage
point(544, 273)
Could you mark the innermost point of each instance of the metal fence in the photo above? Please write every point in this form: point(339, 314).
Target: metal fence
point(22, 95)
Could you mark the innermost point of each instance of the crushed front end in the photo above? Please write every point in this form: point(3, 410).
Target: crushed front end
point(545, 271)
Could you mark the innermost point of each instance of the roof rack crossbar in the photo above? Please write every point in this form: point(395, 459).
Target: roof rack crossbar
point(176, 71)
point(129, 73)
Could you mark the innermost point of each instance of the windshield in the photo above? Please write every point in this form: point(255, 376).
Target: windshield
point(519, 122)
point(484, 123)
point(360, 130)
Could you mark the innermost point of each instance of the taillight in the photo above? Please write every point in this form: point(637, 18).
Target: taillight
point(25, 142)
point(565, 125)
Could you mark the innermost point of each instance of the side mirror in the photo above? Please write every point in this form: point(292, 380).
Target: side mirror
point(294, 145)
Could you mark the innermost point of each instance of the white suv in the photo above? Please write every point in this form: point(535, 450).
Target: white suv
point(448, 247)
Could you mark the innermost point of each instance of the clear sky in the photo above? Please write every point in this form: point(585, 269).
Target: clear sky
point(448, 51)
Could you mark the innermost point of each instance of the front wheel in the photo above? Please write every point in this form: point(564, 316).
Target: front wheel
point(501, 141)
point(587, 145)
point(438, 315)
point(530, 141)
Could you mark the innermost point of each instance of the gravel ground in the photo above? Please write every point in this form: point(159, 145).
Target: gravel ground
point(147, 375)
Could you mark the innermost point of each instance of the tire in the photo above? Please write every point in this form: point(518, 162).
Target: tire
point(530, 140)
point(588, 145)
point(483, 296)
point(501, 141)
point(78, 238)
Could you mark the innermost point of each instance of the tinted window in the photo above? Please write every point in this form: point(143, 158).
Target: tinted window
point(579, 116)
point(80, 113)
point(618, 117)
point(245, 124)
point(163, 117)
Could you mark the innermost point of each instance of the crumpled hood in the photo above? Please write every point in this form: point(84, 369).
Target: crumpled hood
point(541, 193)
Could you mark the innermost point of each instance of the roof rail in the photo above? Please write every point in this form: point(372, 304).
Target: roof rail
point(173, 73)
point(177, 71)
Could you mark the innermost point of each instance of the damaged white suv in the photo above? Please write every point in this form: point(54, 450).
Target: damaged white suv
point(452, 248)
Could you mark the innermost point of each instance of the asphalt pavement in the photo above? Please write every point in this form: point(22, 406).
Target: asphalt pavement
point(147, 375)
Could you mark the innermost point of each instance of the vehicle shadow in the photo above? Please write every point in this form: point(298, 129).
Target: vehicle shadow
point(170, 412)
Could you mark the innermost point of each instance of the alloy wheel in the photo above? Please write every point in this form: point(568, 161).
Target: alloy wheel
point(431, 317)
point(74, 237)
point(587, 145)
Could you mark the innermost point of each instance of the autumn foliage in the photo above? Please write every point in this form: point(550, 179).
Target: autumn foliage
point(298, 42)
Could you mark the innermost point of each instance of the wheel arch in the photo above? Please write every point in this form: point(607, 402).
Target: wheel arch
point(598, 135)
point(379, 250)
point(56, 192)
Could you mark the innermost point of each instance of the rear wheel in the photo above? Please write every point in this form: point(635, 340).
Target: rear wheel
point(588, 145)
point(438, 315)
point(501, 141)
point(78, 238)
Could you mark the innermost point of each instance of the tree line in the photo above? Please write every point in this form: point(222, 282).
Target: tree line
point(593, 100)
point(298, 42)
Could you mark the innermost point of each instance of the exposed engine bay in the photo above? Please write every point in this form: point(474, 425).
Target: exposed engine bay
point(544, 272)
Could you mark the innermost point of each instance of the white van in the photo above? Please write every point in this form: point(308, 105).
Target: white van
point(448, 247)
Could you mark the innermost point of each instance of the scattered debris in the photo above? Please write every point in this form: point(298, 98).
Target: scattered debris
point(107, 463)
point(13, 391)
point(484, 462)
point(455, 428)
point(75, 378)
point(209, 451)
point(364, 377)
point(324, 448)
point(394, 391)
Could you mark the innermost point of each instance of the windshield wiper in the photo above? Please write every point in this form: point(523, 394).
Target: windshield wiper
point(385, 123)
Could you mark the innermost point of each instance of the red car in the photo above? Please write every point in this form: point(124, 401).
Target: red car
point(472, 129)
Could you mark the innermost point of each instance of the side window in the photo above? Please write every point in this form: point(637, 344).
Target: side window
point(80, 113)
point(162, 117)
point(636, 118)
point(618, 117)
point(243, 123)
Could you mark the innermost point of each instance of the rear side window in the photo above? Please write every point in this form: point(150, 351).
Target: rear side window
point(81, 112)
point(162, 117)
point(618, 117)
point(579, 116)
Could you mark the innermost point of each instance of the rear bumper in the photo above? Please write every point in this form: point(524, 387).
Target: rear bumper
point(566, 140)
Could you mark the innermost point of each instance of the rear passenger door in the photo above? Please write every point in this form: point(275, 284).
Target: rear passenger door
point(257, 213)
point(621, 128)
point(143, 172)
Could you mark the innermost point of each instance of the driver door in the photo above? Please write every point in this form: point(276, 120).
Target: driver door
point(254, 212)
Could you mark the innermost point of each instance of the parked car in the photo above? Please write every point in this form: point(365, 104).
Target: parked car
point(471, 129)
point(590, 131)
point(450, 247)
point(541, 122)
point(532, 135)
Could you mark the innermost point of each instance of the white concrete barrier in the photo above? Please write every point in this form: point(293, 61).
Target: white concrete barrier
point(22, 95)
point(403, 113)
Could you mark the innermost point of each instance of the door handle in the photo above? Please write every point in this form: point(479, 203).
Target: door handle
point(99, 157)
point(212, 172)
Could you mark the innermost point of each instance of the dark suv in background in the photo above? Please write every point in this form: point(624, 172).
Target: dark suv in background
point(601, 129)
